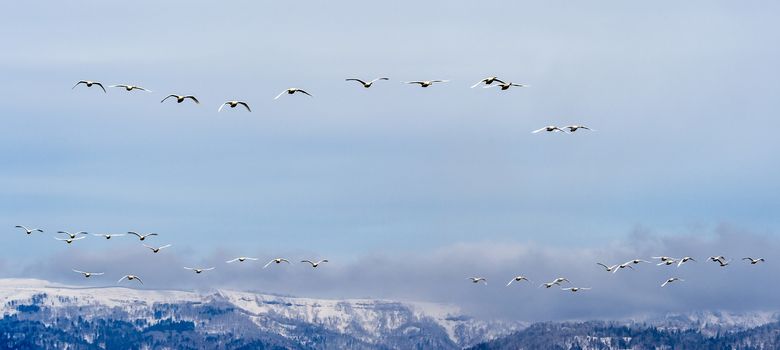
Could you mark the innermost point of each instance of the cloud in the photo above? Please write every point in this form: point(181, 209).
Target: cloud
point(440, 275)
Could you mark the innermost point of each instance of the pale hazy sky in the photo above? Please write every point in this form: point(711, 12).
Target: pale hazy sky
point(683, 95)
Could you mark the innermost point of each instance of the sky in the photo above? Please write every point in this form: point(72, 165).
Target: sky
point(682, 97)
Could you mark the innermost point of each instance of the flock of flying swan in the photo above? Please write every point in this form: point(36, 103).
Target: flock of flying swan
point(489, 82)
point(663, 261)
point(72, 237)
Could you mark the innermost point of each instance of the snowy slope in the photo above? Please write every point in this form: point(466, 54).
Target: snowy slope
point(369, 321)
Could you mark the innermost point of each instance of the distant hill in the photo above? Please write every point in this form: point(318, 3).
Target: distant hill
point(39, 314)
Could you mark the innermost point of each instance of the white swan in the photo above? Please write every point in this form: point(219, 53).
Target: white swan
point(108, 235)
point(277, 261)
point(181, 98)
point(754, 261)
point(69, 240)
point(88, 274)
point(672, 280)
point(488, 81)
point(28, 230)
point(130, 278)
point(233, 104)
point(366, 84)
point(518, 279)
point(291, 91)
point(89, 83)
point(478, 279)
point(549, 128)
point(315, 264)
point(140, 236)
point(426, 83)
point(157, 249)
point(73, 235)
point(130, 87)
point(198, 270)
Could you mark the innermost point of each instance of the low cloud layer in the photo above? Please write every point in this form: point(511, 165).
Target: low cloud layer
point(441, 275)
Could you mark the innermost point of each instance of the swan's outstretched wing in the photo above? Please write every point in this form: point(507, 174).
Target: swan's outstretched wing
point(479, 82)
point(79, 271)
point(358, 80)
point(371, 82)
point(280, 94)
point(167, 97)
point(269, 263)
point(192, 98)
point(232, 261)
point(308, 261)
point(245, 105)
point(539, 130)
point(299, 90)
point(222, 106)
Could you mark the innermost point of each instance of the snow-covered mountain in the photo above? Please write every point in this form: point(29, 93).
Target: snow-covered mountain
point(287, 322)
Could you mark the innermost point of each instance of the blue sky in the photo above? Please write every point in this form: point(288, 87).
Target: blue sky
point(683, 96)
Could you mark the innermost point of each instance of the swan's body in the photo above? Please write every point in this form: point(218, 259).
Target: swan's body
point(518, 279)
point(28, 230)
point(277, 261)
point(130, 87)
point(575, 289)
point(488, 81)
point(89, 83)
point(426, 83)
point(181, 98)
point(157, 249)
point(197, 270)
point(88, 274)
point(315, 264)
point(233, 104)
point(240, 259)
point(130, 278)
point(549, 128)
point(366, 84)
point(140, 236)
point(291, 91)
